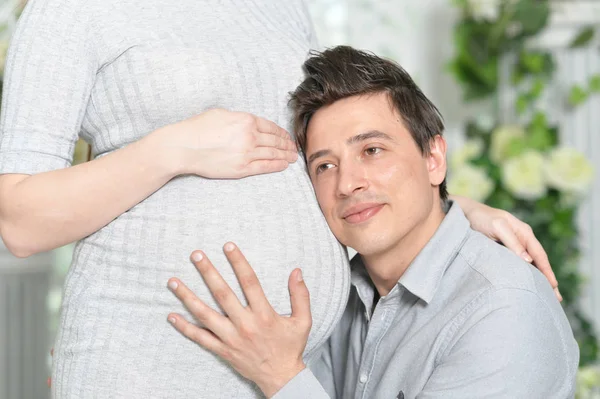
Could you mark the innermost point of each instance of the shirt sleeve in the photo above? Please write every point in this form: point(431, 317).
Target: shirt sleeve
point(50, 71)
point(517, 346)
point(303, 385)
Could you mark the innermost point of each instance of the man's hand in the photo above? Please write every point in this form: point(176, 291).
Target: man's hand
point(260, 344)
point(501, 226)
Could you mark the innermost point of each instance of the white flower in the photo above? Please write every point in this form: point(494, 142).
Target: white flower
point(588, 382)
point(523, 175)
point(502, 139)
point(472, 149)
point(485, 121)
point(487, 10)
point(568, 170)
point(470, 181)
point(514, 29)
point(3, 51)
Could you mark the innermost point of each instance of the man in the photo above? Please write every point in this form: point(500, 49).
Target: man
point(436, 310)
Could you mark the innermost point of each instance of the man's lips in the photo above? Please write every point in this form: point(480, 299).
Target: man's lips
point(361, 212)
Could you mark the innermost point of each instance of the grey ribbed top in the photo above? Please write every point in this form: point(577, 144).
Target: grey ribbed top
point(112, 71)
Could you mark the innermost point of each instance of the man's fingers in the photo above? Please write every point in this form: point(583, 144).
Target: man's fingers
point(300, 298)
point(247, 278)
point(219, 288)
point(273, 140)
point(210, 318)
point(266, 126)
point(201, 336)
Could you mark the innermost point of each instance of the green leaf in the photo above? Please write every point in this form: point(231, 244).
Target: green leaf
point(533, 16)
point(539, 120)
point(577, 95)
point(539, 138)
point(583, 37)
point(534, 62)
point(515, 147)
point(595, 83)
point(523, 102)
point(537, 88)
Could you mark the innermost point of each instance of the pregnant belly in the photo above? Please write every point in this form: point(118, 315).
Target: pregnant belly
point(274, 219)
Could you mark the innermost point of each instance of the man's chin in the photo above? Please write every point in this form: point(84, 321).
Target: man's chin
point(368, 245)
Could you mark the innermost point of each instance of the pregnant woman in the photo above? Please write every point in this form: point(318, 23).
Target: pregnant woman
point(140, 81)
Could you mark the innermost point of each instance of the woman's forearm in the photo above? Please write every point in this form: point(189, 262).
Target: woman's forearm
point(47, 210)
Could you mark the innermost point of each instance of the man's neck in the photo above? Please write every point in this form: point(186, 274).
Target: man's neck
point(386, 268)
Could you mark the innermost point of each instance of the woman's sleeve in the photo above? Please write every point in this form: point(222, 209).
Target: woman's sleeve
point(50, 70)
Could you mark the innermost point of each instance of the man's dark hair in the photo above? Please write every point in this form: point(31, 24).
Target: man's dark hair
point(343, 72)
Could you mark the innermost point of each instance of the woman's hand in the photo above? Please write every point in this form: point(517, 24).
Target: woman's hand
point(501, 226)
point(228, 145)
point(259, 344)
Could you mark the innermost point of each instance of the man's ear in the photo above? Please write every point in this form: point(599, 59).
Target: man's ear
point(436, 160)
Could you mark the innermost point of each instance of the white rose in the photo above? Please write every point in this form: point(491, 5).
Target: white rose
point(470, 181)
point(501, 140)
point(472, 149)
point(568, 170)
point(487, 10)
point(588, 377)
point(523, 175)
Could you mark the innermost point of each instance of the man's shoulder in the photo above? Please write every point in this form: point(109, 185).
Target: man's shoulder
point(499, 268)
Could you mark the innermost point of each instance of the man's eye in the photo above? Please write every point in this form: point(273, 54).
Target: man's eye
point(373, 150)
point(323, 167)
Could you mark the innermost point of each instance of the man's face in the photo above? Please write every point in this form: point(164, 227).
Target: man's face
point(372, 182)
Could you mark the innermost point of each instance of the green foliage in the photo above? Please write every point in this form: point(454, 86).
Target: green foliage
point(481, 43)
point(584, 36)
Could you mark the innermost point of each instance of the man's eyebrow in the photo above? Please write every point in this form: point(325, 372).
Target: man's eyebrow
point(318, 154)
point(372, 134)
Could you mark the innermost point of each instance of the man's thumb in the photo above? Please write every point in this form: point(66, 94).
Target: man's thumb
point(299, 297)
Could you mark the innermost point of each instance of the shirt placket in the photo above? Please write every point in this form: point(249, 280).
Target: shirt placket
point(378, 326)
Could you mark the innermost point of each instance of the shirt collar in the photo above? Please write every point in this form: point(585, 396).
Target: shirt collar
point(423, 276)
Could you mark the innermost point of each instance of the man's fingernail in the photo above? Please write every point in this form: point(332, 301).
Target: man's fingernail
point(172, 320)
point(526, 256)
point(173, 285)
point(197, 256)
point(299, 275)
point(229, 247)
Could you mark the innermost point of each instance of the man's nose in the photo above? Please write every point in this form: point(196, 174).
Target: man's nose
point(352, 178)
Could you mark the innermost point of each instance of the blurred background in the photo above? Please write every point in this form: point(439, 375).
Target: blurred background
point(518, 82)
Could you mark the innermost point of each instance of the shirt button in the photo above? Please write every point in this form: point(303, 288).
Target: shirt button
point(363, 378)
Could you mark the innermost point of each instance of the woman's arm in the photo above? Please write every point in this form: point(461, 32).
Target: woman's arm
point(51, 70)
point(50, 209)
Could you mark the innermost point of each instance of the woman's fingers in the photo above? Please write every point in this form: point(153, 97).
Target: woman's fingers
point(266, 126)
point(265, 166)
point(275, 141)
point(271, 153)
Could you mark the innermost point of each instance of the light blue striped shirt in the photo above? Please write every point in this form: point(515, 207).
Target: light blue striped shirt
point(468, 319)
